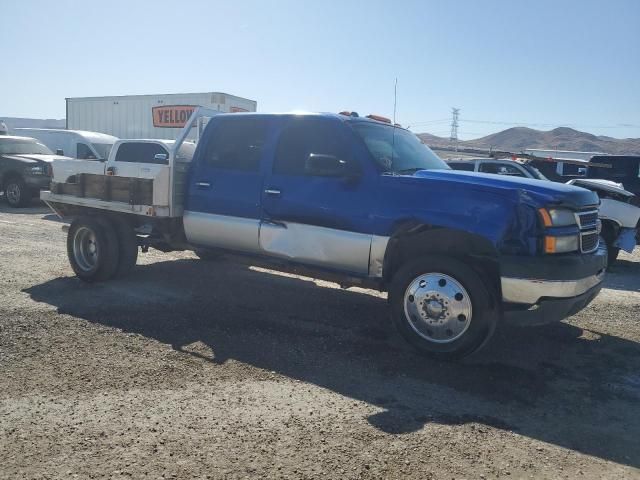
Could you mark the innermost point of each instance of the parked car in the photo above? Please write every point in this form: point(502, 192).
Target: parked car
point(72, 143)
point(619, 212)
point(622, 169)
point(358, 201)
point(497, 166)
point(25, 168)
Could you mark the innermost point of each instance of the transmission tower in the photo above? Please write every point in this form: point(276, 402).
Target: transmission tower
point(454, 127)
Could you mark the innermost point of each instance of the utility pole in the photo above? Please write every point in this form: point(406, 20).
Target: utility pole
point(454, 127)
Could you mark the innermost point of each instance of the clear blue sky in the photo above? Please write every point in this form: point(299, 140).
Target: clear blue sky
point(541, 63)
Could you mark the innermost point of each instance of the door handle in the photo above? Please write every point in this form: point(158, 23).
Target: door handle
point(203, 185)
point(273, 191)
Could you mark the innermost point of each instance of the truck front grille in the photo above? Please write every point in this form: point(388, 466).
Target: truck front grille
point(588, 219)
point(589, 242)
point(589, 229)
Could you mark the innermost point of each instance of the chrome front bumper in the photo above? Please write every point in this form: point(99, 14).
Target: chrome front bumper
point(529, 291)
point(545, 289)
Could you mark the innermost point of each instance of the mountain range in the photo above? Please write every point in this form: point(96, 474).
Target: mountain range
point(517, 139)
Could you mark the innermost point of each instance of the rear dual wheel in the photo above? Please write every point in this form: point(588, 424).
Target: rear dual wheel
point(100, 248)
point(442, 307)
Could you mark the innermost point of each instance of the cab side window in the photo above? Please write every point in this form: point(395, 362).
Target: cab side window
point(84, 152)
point(302, 137)
point(236, 143)
point(141, 153)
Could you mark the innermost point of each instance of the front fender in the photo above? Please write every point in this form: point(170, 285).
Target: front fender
point(505, 218)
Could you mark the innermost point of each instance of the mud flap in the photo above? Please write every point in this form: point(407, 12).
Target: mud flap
point(626, 240)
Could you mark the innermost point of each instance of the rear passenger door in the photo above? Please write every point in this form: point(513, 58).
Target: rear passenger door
point(225, 184)
point(314, 219)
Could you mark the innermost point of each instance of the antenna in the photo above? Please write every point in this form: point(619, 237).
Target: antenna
point(395, 99)
point(454, 127)
point(393, 128)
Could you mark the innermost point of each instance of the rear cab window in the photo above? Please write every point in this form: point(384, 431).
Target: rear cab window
point(141, 152)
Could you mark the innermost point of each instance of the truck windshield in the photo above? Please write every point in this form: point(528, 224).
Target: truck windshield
point(23, 147)
point(103, 149)
point(397, 150)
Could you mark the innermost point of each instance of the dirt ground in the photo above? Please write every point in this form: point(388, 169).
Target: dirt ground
point(192, 369)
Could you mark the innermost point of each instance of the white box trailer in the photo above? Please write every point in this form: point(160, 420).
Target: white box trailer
point(147, 116)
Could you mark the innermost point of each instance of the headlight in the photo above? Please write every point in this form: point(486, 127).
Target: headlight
point(37, 170)
point(564, 244)
point(557, 217)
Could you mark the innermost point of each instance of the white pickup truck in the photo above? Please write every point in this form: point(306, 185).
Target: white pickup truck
point(142, 159)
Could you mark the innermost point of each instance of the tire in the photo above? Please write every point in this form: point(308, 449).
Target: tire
point(92, 248)
point(127, 245)
point(442, 307)
point(208, 254)
point(16, 192)
point(608, 236)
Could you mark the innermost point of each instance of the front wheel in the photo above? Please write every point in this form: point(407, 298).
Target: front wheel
point(16, 192)
point(442, 307)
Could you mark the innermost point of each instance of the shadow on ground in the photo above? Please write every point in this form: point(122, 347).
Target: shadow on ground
point(36, 206)
point(623, 275)
point(559, 384)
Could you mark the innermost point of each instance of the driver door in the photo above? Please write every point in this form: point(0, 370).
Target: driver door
point(311, 218)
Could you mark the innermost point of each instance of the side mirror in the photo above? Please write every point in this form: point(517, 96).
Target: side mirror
point(60, 152)
point(160, 157)
point(322, 165)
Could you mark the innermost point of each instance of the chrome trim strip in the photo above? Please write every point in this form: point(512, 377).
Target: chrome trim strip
point(314, 245)
point(376, 257)
point(212, 230)
point(529, 291)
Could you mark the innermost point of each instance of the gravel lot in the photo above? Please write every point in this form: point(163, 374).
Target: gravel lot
point(189, 369)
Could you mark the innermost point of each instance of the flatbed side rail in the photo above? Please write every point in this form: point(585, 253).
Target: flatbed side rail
point(109, 205)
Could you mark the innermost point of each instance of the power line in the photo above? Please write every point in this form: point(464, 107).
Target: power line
point(524, 124)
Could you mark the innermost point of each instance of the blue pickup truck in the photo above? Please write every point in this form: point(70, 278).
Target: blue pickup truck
point(355, 200)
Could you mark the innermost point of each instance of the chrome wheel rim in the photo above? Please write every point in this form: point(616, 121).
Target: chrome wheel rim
point(437, 307)
point(85, 249)
point(13, 193)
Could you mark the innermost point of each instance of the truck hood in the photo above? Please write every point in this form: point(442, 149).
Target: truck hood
point(34, 157)
point(538, 192)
